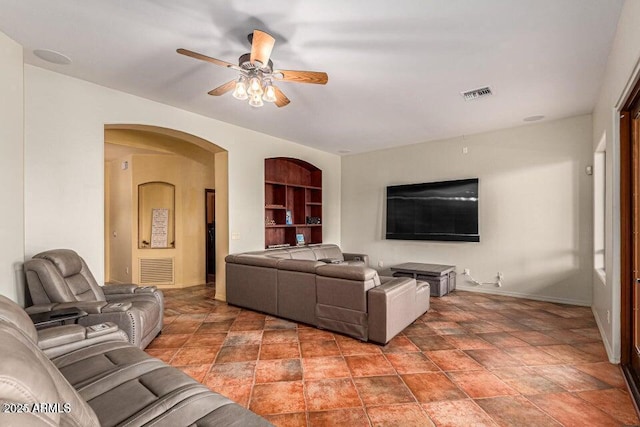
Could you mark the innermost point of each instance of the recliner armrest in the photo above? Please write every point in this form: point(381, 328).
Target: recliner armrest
point(64, 339)
point(119, 289)
point(352, 257)
point(114, 307)
point(91, 307)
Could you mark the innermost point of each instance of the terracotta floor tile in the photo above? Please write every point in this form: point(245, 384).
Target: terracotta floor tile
point(164, 354)
point(288, 350)
point(278, 398)
point(493, 358)
point(570, 354)
point(184, 327)
point(614, 402)
point(230, 373)
point(604, 371)
point(315, 368)
point(313, 334)
point(279, 336)
point(419, 329)
point(243, 338)
point(457, 413)
point(411, 363)
point(383, 390)
point(408, 415)
point(247, 325)
point(197, 372)
point(209, 327)
point(268, 371)
point(468, 342)
point(399, 344)
point(237, 353)
point(319, 348)
point(350, 347)
point(567, 336)
point(515, 411)
point(453, 360)
point(194, 356)
point(478, 384)
point(431, 342)
point(206, 340)
point(169, 341)
point(355, 417)
point(531, 356)
point(239, 392)
point(369, 365)
point(328, 394)
point(535, 337)
point(432, 386)
point(570, 410)
point(570, 378)
point(279, 324)
point(298, 419)
point(549, 356)
point(503, 340)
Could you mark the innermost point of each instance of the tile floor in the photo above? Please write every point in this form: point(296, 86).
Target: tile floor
point(473, 359)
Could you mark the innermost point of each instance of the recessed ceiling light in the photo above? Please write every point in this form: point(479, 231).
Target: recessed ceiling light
point(533, 118)
point(52, 56)
point(344, 151)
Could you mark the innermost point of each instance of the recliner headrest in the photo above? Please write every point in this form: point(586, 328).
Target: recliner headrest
point(67, 261)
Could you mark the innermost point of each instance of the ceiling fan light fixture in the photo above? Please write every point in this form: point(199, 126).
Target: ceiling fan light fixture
point(256, 101)
point(240, 91)
point(269, 92)
point(255, 86)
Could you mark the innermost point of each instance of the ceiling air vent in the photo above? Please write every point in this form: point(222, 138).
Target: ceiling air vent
point(477, 93)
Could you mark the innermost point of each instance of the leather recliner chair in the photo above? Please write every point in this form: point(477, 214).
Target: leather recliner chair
point(60, 279)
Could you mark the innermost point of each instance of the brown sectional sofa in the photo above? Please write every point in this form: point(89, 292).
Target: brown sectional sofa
point(322, 286)
point(81, 376)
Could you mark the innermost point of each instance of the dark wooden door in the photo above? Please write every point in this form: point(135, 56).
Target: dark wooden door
point(630, 241)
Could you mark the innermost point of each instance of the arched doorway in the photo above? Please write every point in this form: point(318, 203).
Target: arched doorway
point(138, 154)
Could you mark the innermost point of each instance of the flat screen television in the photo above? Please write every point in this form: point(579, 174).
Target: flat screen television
point(444, 211)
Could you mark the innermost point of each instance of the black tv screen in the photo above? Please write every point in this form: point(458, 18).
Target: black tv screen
point(445, 211)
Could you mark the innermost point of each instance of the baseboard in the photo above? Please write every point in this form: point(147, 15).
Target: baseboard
point(499, 291)
point(607, 344)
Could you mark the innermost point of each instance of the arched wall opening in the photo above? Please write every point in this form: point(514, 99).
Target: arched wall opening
point(138, 154)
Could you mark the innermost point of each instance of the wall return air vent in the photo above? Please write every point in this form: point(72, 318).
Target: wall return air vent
point(477, 93)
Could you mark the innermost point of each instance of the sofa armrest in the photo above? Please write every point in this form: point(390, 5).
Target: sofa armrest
point(353, 258)
point(391, 308)
point(113, 307)
point(91, 307)
point(60, 340)
point(127, 289)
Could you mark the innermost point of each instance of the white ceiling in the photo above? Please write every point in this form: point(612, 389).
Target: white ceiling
point(396, 68)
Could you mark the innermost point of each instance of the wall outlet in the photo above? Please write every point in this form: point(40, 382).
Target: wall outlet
point(126, 270)
point(608, 316)
point(235, 235)
point(466, 272)
point(465, 150)
point(381, 264)
point(500, 275)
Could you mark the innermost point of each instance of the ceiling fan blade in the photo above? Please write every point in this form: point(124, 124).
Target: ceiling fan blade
point(281, 99)
point(222, 89)
point(202, 57)
point(261, 47)
point(315, 77)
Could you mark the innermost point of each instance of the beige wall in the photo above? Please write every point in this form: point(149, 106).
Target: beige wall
point(534, 214)
point(64, 147)
point(11, 169)
point(621, 74)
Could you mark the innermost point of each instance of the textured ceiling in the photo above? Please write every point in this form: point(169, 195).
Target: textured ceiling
point(396, 69)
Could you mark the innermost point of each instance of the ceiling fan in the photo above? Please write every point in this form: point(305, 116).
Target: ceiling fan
point(255, 82)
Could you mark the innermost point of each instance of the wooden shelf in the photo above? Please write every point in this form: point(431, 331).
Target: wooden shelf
point(292, 187)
